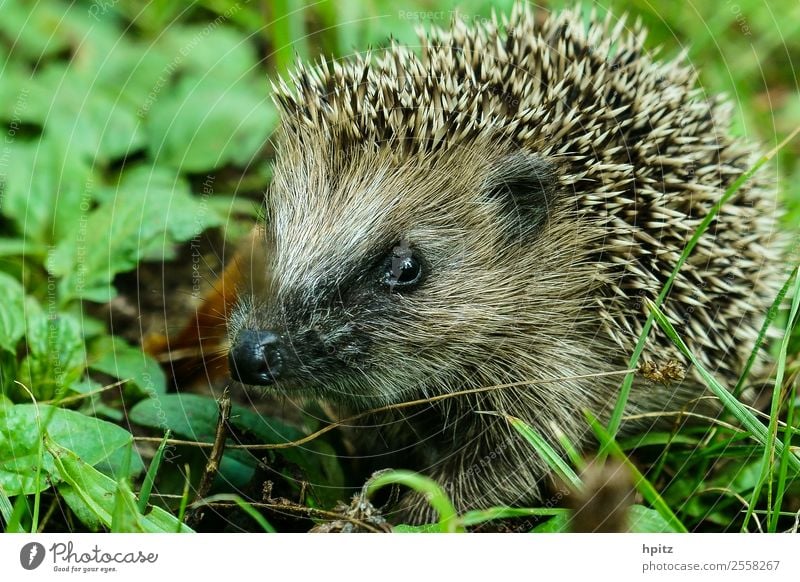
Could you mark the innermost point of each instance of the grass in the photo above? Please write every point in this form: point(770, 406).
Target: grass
point(100, 108)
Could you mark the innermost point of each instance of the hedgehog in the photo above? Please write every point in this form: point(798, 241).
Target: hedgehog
point(493, 210)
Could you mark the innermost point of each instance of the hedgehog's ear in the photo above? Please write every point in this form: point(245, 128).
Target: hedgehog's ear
point(524, 184)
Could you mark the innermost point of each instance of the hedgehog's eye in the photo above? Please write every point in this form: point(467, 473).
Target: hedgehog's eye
point(402, 268)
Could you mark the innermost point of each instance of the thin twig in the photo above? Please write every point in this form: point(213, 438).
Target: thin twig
point(390, 407)
point(212, 465)
point(82, 395)
point(293, 508)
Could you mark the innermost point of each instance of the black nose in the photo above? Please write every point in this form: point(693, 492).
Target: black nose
point(255, 357)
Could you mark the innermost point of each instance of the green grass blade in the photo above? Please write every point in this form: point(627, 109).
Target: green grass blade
point(21, 510)
point(771, 315)
point(152, 471)
point(448, 517)
point(627, 383)
point(547, 452)
point(737, 409)
point(185, 495)
point(572, 451)
point(642, 484)
point(769, 454)
point(287, 30)
point(6, 509)
point(244, 506)
point(784, 466)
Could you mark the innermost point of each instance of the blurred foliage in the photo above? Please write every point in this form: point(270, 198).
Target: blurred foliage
point(115, 112)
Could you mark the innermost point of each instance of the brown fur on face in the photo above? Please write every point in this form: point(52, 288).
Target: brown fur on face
point(548, 184)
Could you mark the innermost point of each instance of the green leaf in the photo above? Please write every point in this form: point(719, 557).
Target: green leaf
point(12, 313)
point(556, 524)
point(115, 357)
point(448, 517)
point(195, 417)
point(36, 29)
point(125, 516)
point(11, 247)
point(55, 357)
point(424, 528)
point(205, 124)
point(133, 74)
point(82, 511)
point(104, 497)
point(657, 438)
point(480, 516)
point(48, 190)
point(647, 520)
point(190, 416)
point(144, 216)
point(88, 120)
point(97, 442)
point(217, 52)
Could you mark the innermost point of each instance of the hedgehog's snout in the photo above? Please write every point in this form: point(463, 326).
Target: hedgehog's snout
point(256, 357)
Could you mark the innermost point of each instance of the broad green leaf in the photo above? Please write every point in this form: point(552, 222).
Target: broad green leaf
point(204, 124)
point(82, 511)
point(220, 53)
point(115, 357)
point(647, 520)
point(144, 216)
point(56, 357)
point(556, 524)
point(12, 312)
point(424, 528)
point(35, 29)
point(133, 74)
point(195, 417)
point(189, 415)
point(97, 442)
point(88, 120)
point(48, 190)
point(101, 494)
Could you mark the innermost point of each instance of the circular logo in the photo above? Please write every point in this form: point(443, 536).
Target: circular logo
point(31, 555)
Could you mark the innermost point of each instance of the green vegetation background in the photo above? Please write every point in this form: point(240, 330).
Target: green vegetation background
point(117, 115)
